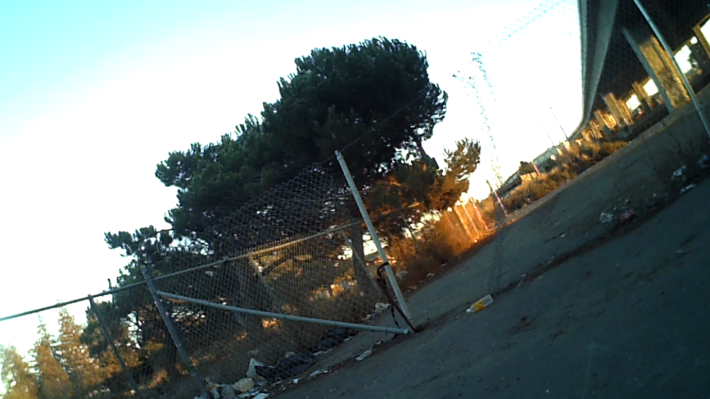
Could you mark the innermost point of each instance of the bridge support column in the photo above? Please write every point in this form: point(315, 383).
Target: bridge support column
point(594, 128)
point(702, 40)
point(618, 109)
point(701, 49)
point(604, 125)
point(642, 96)
point(658, 65)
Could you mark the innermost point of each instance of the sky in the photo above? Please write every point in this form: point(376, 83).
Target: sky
point(94, 94)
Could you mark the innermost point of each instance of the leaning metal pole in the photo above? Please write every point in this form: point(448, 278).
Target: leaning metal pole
point(109, 338)
point(373, 234)
point(173, 331)
point(284, 316)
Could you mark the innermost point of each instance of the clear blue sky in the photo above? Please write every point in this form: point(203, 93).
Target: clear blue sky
point(94, 94)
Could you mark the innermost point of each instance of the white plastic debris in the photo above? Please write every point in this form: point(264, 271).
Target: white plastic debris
point(679, 172)
point(480, 304)
point(316, 373)
point(364, 355)
point(251, 371)
point(401, 275)
point(687, 188)
point(215, 394)
point(244, 385)
point(229, 392)
point(261, 396)
point(430, 275)
point(606, 217)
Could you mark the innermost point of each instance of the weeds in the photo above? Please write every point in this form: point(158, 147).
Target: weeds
point(572, 162)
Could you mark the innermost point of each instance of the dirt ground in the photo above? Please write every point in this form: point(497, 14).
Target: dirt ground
point(582, 308)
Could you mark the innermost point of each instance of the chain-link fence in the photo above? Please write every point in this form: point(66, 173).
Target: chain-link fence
point(250, 305)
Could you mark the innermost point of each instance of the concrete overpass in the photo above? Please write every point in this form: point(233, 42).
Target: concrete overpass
point(620, 52)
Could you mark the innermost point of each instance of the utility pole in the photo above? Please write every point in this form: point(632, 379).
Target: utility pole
point(558, 122)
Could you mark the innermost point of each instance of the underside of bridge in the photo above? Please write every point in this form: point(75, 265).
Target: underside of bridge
point(613, 34)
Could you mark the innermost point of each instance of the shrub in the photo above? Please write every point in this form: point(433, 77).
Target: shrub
point(569, 165)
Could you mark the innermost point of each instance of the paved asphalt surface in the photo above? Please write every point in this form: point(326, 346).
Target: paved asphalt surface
point(628, 318)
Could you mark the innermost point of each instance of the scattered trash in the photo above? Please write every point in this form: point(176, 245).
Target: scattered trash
point(215, 394)
point(679, 173)
point(401, 275)
point(244, 385)
point(562, 235)
point(704, 162)
point(480, 304)
point(210, 385)
point(295, 381)
point(381, 306)
point(229, 392)
point(606, 217)
point(364, 355)
point(261, 396)
point(687, 188)
point(430, 275)
point(317, 373)
point(251, 371)
point(627, 216)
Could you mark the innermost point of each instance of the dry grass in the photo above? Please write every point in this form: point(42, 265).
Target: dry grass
point(440, 241)
point(569, 165)
point(444, 239)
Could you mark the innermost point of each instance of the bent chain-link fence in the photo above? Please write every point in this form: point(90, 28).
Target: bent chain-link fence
point(252, 304)
point(282, 280)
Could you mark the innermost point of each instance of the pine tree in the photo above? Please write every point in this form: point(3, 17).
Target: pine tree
point(53, 380)
point(83, 371)
point(16, 375)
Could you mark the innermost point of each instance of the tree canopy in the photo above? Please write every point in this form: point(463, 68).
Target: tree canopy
point(372, 100)
point(374, 96)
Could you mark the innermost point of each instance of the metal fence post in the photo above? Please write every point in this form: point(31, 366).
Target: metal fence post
point(500, 202)
point(468, 216)
point(173, 332)
point(373, 234)
point(109, 338)
point(466, 228)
